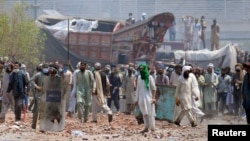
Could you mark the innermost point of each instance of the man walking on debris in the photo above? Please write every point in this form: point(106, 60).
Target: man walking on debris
point(27, 91)
point(116, 82)
point(85, 86)
point(68, 80)
point(72, 102)
point(7, 98)
point(184, 93)
point(237, 80)
point(36, 82)
point(145, 97)
point(224, 81)
point(215, 35)
point(17, 83)
point(99, 96)
point(129, 90)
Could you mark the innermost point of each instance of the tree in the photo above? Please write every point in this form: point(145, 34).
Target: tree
point(20, 37)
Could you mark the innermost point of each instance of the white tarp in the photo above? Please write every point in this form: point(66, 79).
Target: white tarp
point(224, 57)
point(74, 25)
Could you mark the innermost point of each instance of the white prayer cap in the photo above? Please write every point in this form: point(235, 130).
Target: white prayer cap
point(186, 68)
point(143, 14)
point(108, 67)
point(23, 66)
point(210, 65)
point(98, 65)
point(78, 64)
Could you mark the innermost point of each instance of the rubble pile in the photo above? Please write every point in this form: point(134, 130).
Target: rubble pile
point(123, 128)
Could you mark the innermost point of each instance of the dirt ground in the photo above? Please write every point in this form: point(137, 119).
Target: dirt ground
point(123, 128)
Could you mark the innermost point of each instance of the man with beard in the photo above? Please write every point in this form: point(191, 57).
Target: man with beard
point(184, 94)
point(85, 86)
point(99, 96)
point(115, 81)
point(161, 78)
point(7, 98)
point(174, 80)
point(223, 90)
point(129, 90)
point(210, 91)
point(237, 80)
point(175, 75)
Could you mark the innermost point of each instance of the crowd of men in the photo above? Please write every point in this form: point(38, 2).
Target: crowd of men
point(199, 91)
point(218, 90)
point(195, 33)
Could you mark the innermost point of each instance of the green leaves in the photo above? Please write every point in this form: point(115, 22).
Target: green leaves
point(20, 37)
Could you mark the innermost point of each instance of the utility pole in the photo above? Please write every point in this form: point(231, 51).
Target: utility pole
point(35, 6)
point(68, 41)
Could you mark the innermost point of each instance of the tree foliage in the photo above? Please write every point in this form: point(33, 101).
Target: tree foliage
point(20, 37)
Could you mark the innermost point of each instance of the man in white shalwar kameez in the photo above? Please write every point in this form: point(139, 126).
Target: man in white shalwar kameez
point(72, 102)
point(68, 80)
point(184, 93)
point(196, 35)
point(196, 92)
point(145, 97)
